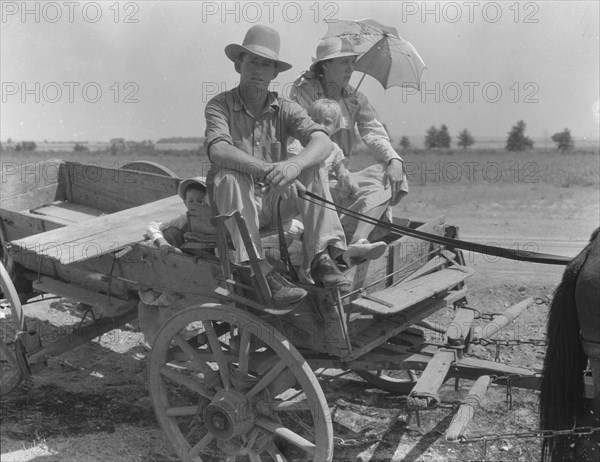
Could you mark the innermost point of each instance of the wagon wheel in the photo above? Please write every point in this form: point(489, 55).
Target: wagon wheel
point(394, 381)
point(10, 323)
point(224, 381)
point(149, 167)
point(4, 257)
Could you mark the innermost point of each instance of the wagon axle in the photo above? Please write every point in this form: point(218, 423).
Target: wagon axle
point(228, 415)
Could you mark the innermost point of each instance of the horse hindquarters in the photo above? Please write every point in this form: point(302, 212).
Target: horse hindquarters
point(562, 384)
point(587, 297)
point(574, 309)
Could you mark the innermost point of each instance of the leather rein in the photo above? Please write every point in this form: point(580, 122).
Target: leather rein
point(502, 252)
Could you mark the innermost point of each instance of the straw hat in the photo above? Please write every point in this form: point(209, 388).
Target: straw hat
point(333, 47)
point(186, 183)
point(261, 41)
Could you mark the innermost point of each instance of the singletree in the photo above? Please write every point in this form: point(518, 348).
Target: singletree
point(465, 139)
point(564, 140)
point(517, 141)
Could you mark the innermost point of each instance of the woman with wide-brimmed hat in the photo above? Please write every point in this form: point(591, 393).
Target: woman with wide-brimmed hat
point(381, 185)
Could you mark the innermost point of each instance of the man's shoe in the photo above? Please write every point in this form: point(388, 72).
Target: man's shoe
point(326, 273)
point(283, 291)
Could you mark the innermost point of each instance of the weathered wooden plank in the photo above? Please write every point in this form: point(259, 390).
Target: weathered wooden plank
point(382, 330)
point(438, 261)
point(410, 252)
point(461, 325)
point(98, 236)
point(403, 251)
point(64, 289)
point(112, 189)
point(29, 185)
point(466, 411)
point(68, 211)
point(190, 277)
point(22, 224)
point(404, 295)
point(425, 393)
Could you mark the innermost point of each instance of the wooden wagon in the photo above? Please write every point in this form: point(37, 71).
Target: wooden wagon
point(226, 376)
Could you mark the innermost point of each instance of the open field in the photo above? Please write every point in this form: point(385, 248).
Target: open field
point(92, 404)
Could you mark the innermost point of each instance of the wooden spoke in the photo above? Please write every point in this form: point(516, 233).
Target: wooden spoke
point(287, 434)
point(192, 353)
point(285, 406)
point(187, 382)
point(201, 445)
point(281, 385)
point(244, 352)
point(282, 406)
point(267, 379)
point(218, 354)
point(276, 454)
point(181, 411)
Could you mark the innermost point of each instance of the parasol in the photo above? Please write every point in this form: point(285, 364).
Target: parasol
point(387, 57)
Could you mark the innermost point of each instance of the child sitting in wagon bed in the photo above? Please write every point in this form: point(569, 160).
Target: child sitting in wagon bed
point(156, 306)
point(195, 225)
point(171, 235)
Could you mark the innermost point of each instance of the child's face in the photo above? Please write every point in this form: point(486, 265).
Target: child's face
point(194, 197)
point(330, 125)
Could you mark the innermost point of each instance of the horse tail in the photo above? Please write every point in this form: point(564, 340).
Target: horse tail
point(562, 387)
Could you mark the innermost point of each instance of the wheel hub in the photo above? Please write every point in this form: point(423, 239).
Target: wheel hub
point(228, 415)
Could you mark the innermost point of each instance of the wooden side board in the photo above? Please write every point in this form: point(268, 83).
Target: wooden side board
point(25, 186)
point(406, 294)
point(408, 253)
point(113, 190)
point(98, 236)
point(19, 225)
point(405, 255)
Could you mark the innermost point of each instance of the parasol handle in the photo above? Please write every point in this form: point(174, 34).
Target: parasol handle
point(361, 79)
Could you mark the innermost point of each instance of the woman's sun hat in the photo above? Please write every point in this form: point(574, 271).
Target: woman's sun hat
point(333, 47)
point(261, 41)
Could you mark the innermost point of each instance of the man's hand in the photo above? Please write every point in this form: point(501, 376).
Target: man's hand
point(292, 191)
point(284, 173)
point(394, 177)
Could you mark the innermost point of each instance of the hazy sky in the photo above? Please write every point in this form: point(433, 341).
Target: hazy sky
point(144, 70)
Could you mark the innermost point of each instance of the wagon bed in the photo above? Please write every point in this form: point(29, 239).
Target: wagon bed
point(240, 378)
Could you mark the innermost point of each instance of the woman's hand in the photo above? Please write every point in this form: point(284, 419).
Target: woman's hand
point(394, 176)
point(352, 104)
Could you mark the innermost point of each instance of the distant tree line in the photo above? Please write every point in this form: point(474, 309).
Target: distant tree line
point(516, 141)
point(20, 146)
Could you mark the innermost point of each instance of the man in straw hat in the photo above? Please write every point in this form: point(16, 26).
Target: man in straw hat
point(381, 185)
point(247, 129)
